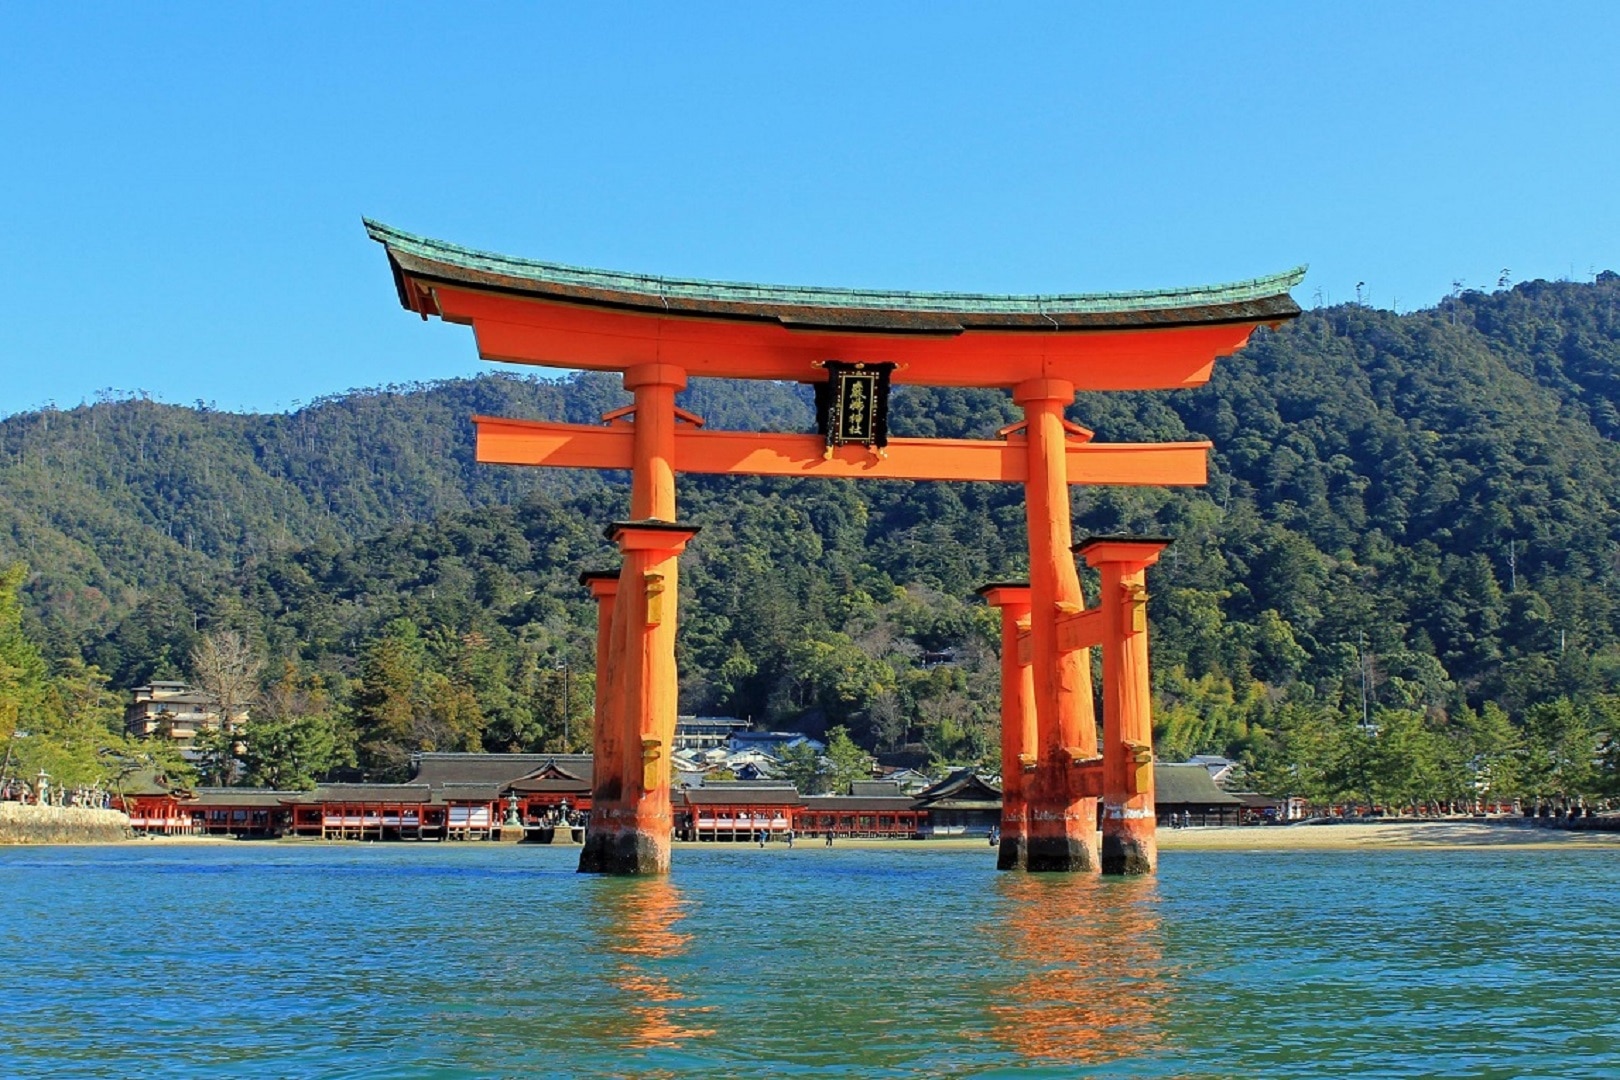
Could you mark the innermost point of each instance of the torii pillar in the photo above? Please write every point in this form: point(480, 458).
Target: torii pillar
point(606, 783)
point(1129, 845)
point(631, 827)
point(1018, 732)
point(1062, 813)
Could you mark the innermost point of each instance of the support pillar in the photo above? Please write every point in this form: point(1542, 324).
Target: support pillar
point(1062, 822)
point(631, 835)
point(1129, 842)
point(652, 470)
point(606, 782)
point(1018, 734)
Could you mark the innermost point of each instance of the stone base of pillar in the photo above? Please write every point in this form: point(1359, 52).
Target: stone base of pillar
point(1014, 854)
point(1060, 855)
point(1063, 841)
point(1129, 847)
point(623, 852)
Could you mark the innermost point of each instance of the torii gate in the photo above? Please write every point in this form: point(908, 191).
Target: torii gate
point(658, 331)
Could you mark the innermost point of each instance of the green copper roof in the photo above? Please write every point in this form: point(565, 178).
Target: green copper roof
point(1257, 299)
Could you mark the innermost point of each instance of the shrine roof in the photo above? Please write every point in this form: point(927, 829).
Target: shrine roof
point(785, 795)
point(419, 263)
point(1177, 784)
point(441, 768)
point(847, 803)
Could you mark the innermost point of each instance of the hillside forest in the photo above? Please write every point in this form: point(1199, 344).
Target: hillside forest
point(1399, 587)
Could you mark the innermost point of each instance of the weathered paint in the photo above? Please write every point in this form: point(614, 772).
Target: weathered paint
point(1062, 823)
point(1019, 739)
point(1129, 843)
point(607, 785)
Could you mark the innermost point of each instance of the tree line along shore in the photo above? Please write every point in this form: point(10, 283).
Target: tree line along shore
point(1397, 588)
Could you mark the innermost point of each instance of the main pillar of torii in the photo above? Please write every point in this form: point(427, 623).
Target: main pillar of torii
point(631, 823)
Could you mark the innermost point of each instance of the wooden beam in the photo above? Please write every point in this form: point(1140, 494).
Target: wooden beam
point(579, 446)
point(1083, 630)
point(525, 330)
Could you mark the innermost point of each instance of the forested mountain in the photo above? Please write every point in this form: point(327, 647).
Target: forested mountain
point(1412, 517)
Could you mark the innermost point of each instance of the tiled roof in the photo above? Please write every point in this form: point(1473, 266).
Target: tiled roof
point(367, 793)
point(437, 768)
point(542, 785)
point(233, 797)
point(859, 803)
point(964, 789)
point(470, 793)
point(1187, 785)
point(1254, 300)
point(742, 796)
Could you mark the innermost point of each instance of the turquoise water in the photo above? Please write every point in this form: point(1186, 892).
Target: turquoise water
point(478, 960)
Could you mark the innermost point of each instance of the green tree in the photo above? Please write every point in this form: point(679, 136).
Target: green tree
point(1560, 750)
point(1491, 751)
point(1296, 753)
point(293, 739)
point(385, 703)
point(845, 761)
point(802, 765)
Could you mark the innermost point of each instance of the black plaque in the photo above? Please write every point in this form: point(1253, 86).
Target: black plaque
point(852, 406)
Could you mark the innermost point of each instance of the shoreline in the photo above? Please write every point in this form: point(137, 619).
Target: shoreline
point(1407, 835)
point(1400, 835)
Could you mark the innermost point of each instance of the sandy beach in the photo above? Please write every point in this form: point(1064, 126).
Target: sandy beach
point(1413, 835)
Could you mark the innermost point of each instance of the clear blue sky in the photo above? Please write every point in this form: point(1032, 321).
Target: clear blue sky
point(181, 186)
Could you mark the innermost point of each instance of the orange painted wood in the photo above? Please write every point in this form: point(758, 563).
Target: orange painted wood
point(529, 331)
point(580, 446)
point(1082, 631)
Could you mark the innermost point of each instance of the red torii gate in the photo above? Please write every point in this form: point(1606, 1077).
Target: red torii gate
point(659, 331)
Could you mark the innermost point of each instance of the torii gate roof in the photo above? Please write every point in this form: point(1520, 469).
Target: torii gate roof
point(528, 311)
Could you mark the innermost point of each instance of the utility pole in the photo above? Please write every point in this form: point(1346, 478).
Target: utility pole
point(563, 666)
point(1361, 658)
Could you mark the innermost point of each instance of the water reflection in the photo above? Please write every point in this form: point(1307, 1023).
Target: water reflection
point(637, 921)
point(1093, 986)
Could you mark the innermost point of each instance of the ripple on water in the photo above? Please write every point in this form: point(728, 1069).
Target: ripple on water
point(484, 960)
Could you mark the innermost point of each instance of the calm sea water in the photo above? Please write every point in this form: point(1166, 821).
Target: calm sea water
point(477, 960)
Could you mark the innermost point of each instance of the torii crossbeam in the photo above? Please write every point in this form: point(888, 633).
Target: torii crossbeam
point(657, 332)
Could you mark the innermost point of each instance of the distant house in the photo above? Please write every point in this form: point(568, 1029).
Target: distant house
point(909, 781)
point(450, 797)
point(865, 812)
point(736, 810)
point(706, 732)
point(174, 711)
point(772, 742)
point(1221, 769)
point(962, 804)
point(1189, 789)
